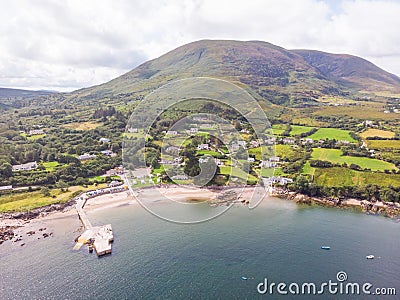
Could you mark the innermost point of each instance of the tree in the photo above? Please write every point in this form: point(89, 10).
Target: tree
point(62, 185)
point(45, 191)
point(302, 184)
point(6, 170)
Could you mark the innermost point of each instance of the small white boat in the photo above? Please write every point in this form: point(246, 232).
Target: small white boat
point(370, 257)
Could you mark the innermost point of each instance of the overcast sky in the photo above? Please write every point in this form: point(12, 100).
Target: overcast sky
point(66, 45)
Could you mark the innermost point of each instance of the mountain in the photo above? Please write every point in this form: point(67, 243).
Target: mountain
point(15, 98)
point(271, 73)
point(350, 70)
point(17, 93)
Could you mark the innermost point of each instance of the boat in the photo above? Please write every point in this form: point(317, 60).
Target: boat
point(370, 256)
point(244, 278)
point(326, 248)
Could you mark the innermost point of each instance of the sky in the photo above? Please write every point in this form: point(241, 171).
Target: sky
point(67, 45)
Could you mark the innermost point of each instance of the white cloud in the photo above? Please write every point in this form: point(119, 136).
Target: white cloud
point(66, 45)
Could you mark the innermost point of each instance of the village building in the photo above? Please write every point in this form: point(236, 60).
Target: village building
point(6, 188)
point(86, 156)
point(104, 140)
point(172, 150)
point(25, 167)
point(254, 144)
point(108, 153)
point(270, 141)
point(180, 177)
point(172, 132)
point(35, 132)
point(114, 183)
point(288, 140)
point(132, 130)
point(307, 141)
point(203, 147)
point(277, 180)
point(178, 160)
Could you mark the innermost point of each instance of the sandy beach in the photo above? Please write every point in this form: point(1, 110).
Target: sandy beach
point(44, 226)
point(26, 231)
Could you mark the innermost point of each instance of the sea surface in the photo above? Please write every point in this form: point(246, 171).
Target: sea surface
point(156, 259)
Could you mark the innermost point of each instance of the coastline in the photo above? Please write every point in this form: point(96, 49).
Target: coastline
point(18, 226)
point(22, 227)
point(387, 209)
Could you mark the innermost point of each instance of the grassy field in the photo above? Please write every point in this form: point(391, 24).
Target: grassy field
point(283, 151)
point(383, 144)
point(332, 133)
point(289, 152)
point(335, 156)
point(372, 132)
point(307, 121)
point(209, 152)
point(372, 111)
point(50, 166)
point(297, 130)
point(307, 169)
point(347, 177)
point(102, 178)
point(278, 129)
point(236, 172)
point(83, 125)
point(132, 134)
point(31, 200)
point(33, 137)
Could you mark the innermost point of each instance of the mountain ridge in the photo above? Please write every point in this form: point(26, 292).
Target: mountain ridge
point(272, 72)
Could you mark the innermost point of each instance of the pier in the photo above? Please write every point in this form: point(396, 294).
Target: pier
point(98, 238)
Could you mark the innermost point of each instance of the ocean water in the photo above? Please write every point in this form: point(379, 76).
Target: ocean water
point(155, 259)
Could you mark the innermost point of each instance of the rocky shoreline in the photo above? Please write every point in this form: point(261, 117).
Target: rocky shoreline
point(38, 212)
point(10, 232)
point(387, 209)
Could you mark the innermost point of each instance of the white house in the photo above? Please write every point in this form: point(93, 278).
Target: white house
point(254, 144)
point(104, 140)
point(278, 180)
point(35, 132)
point(25, 167)
point(251, 159)
point(108, 153)
point(86, 156)
point(178, 160)
point(218, 162)
point(6, 188)
point(180, 177)
point(132, 130)
point(268, 164)
point(194, 130)
point(166, 162)
point(203, 160)
point(203, 147)
point(288, 141)
point(270, 141)
point(114, 183)
point(172, 132)
point(307, 141)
